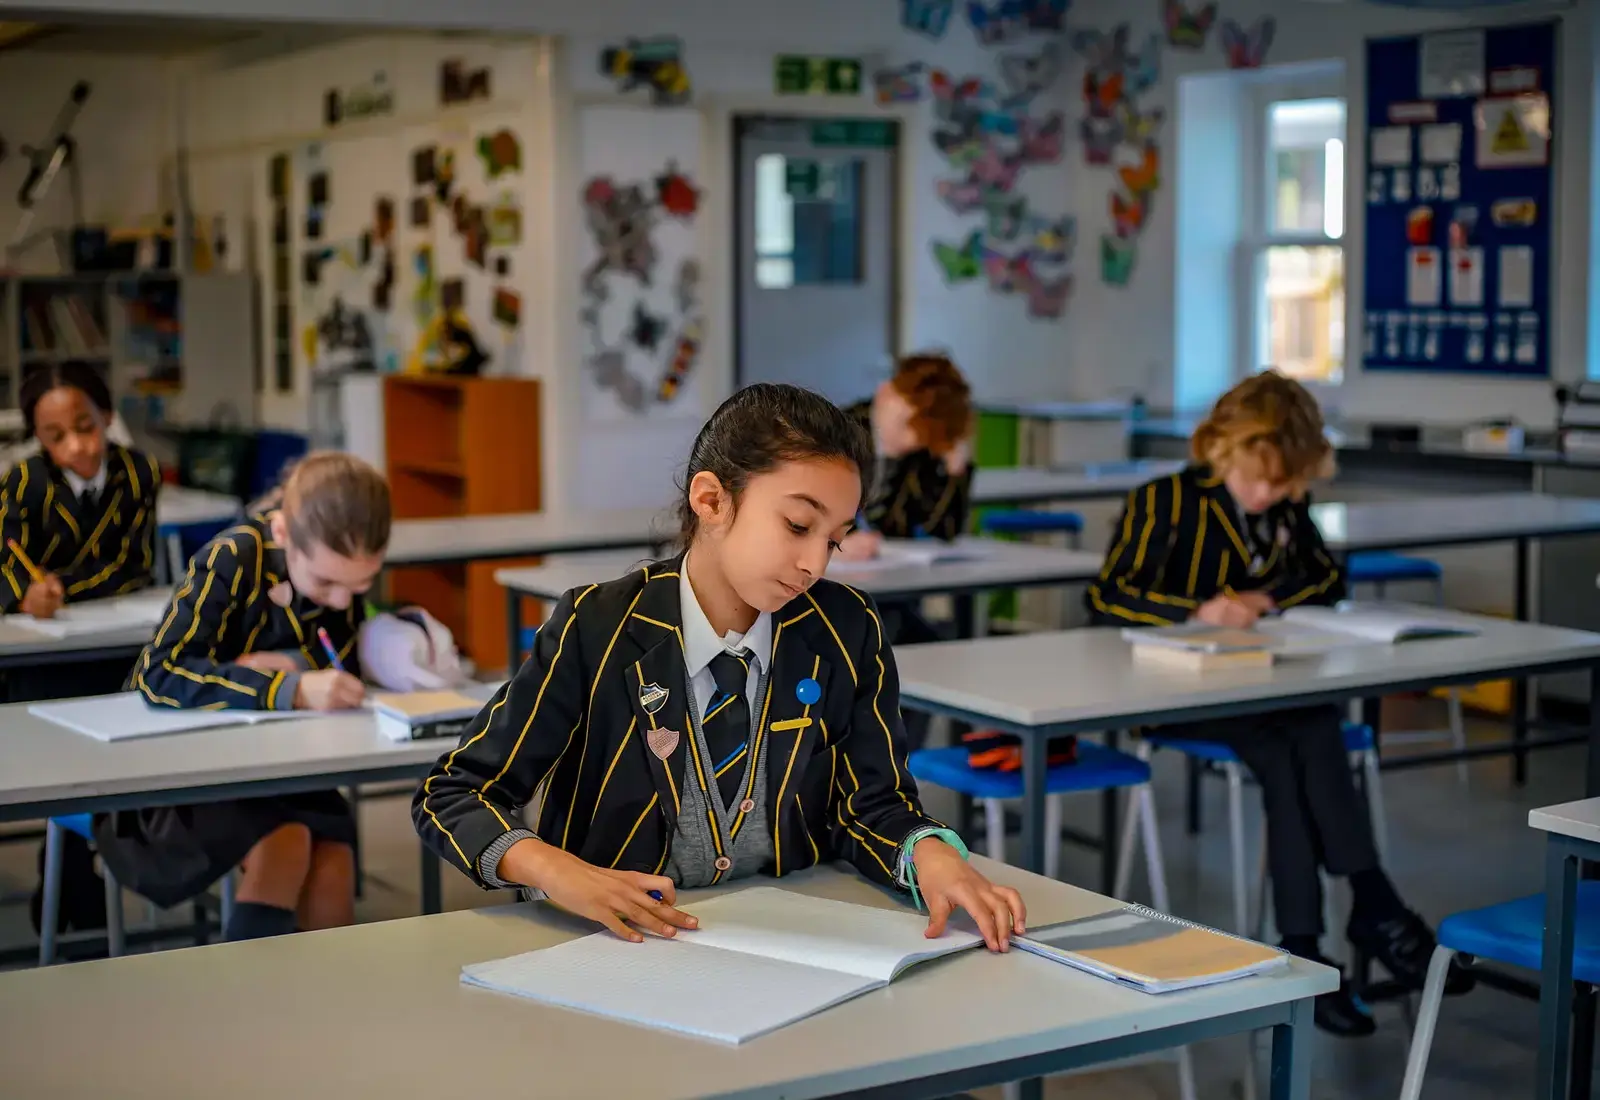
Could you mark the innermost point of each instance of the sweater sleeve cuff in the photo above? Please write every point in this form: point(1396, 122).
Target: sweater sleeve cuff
point(282, 690)
point(489, 861)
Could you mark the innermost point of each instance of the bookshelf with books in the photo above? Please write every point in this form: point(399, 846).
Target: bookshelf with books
point(177, 350)
point(461, 447)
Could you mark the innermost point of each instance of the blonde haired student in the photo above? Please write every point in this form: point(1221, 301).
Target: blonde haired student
point(1226, 540)
point(724, 713)
point(243, 632)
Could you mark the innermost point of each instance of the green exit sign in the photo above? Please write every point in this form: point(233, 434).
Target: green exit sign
point(795, 74)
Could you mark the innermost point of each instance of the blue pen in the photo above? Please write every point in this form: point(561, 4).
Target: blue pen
point(657, 895)
point(327, 646)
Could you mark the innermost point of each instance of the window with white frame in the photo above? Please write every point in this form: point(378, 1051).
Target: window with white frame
point(1296, 227)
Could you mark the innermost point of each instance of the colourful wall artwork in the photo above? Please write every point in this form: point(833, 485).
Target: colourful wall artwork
point(990, 134)
point(652, 63)
point(1246, 47)
point(1187, 27)
point(928, 17)
point(1119, 133)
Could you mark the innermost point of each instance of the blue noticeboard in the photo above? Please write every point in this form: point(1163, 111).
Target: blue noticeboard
point(1459, 193)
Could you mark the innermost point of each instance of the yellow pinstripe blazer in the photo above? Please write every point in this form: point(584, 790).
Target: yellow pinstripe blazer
point(221, 611)
point(574, 718)
point(1180, 542)
point(107, 552)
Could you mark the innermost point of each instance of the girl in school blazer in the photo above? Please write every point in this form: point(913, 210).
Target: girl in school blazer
point(77, 522)
point(606, 714)
point(242, 632)
point(1225, 541)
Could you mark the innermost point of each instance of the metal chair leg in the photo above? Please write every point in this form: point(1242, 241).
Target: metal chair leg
point(1053, 808)
point(227, 900)
point(1427, 1017)
point(994, 816)
point(1241, 904)
point(50, 910)
point(116, 940)
point(1155, 866)
point(1130, 825)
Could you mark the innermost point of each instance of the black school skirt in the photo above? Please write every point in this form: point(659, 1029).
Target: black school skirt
point(172, 853)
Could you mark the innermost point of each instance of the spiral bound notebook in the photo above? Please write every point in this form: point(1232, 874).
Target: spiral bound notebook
point(1150, 951)
point(762, 958)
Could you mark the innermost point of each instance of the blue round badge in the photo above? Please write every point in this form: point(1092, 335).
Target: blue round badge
point(808, 691)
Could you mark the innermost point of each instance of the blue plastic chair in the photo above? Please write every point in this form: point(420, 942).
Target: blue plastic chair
point(1097, 768)
point(1024, 521)
point(1380, 568)
point(1359, 742)
point(1511, 933)
point(50, 909)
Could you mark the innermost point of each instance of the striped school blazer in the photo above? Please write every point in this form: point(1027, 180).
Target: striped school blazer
point(574, 720)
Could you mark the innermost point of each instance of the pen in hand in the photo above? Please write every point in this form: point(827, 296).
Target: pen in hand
point(327, 647)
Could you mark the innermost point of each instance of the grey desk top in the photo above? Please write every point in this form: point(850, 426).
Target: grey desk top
point(1580, 820)
point(524, 534)
point(1453, 520)
point(43, 764)
point(177, 504)
point(1088, 678)
point(378, 1010)
point(22, 646)
point(1003, 565)
point(1036, 485)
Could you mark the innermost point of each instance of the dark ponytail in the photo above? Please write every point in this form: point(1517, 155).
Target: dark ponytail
point(40, 380)
point(760, 428)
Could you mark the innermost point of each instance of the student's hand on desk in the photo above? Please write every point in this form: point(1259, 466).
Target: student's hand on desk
point(328, 689)
point(268, 662)
point(860, 546)
point(43, 598)
point(1259, 602)
point(620, 900)
point(948, 882)
point(1227, 610)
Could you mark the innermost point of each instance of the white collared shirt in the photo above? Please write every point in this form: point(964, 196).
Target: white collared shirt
point(701, 643)
point(78, 484)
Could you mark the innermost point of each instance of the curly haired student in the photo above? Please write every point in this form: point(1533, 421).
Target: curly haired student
point(1224, 541)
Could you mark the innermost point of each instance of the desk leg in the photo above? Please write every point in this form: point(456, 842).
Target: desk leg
point(1555, 984)
point(1520, 687)
point(1108, 830)
point(432, 902)
point(1591, 784)
point(1291, 1054)
point(513, 632)
point(1035, 764)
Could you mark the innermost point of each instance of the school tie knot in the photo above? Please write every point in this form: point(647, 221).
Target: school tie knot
point(87, 499)
point(731, 671)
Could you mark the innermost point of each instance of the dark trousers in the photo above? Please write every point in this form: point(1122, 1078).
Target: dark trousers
point(1316, 819)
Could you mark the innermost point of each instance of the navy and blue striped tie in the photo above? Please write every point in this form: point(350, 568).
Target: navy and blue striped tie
point(727, 723)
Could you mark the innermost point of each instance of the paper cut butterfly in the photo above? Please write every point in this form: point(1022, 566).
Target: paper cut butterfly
point(1005, 216)
point(997, 22)
point(996, 171)
point(1100, 139)
point(952, 99)
point(1102, 93)
point(929, 17)
point(1102, 52)
point(898, 85)
point(1247, 49)
point(1053, 242)
point(1026, 75)
point(1146, 175)
point(960, 263)
point(1116, 260)
point(1141, 128)
point(1143, 69)
point(1047, 15)
point(1187, 30)
point(960, 196)
point(1128, 214)
point(1007, 274)
point(1048, 299)
point(1041, 138)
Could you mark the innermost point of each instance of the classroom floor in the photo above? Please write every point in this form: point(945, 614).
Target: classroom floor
point(1441, 858)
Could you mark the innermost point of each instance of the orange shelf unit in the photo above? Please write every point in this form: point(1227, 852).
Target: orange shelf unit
point(461, 447)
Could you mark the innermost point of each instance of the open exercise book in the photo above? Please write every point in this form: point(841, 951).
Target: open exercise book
point(126, 715)
point(143, 610)
point(762, 958)
point(901, 553)
point(1150, 951)
point(1298, 632)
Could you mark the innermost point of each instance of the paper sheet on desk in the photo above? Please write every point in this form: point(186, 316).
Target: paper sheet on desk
point(144, 609)
point(126, 715)
point(900, 553)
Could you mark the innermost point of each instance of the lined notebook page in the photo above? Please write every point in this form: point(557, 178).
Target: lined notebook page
point(127, 715)
point(837, 935)
point(725, 996)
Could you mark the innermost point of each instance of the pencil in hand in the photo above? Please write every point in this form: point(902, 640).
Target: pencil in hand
point(27, 562)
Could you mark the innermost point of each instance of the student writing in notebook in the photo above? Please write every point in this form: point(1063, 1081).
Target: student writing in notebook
point(1227, 540)
point(724, 713)
point(243, 631)
point(77, 522)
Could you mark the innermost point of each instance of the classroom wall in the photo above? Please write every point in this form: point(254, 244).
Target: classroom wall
point(1117, 330)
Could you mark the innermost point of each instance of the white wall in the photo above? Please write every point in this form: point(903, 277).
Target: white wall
point(1118, 331)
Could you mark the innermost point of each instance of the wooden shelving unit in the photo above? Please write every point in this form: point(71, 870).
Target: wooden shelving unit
point(461, 447)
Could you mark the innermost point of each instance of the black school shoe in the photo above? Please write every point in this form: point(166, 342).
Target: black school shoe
point(1404, 945)
point(1341, 1012)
